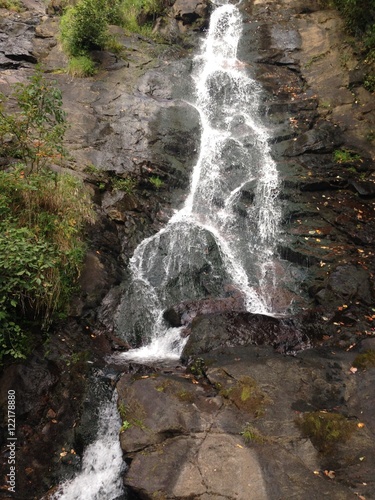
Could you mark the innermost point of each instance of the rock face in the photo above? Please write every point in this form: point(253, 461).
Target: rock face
point(236, 433)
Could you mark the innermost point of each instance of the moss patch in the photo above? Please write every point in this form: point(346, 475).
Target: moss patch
point(247, 396)
point(365, 360)
point(326, 430)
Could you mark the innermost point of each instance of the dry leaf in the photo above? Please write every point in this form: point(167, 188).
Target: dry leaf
point(330, 473)
point(239, 446)
point(353, 369)
point(360, 425)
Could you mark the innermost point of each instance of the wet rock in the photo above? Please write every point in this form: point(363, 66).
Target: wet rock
point(345, 285)
point(324, 138)
point(234, 329)
point(183, 314)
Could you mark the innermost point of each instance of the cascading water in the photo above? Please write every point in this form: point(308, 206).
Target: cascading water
point(225, 233)
point(102, 463)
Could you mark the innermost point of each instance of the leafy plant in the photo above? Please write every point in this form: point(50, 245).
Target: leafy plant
point(84, 27)
point(41, 250)
point(125, 426)
point(34, 133)
point(156, 182)
point(345, 156)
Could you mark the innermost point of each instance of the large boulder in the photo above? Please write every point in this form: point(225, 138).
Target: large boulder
point(232, 329)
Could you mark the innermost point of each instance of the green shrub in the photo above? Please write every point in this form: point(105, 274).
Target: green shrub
point(34, 134)
point(41, 249)
point(42, 214)
point(81, 66)
point(84, 27)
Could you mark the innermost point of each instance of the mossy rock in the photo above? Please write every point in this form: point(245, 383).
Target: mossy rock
point(326, 430)
point(365, 360)
point(247, 396)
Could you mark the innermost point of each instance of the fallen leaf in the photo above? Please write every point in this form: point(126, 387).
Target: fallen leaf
point(145, 376)
point(63, 454)
point(353, 369)
point(316, 472)
point(361, 458)
point(360, 425)
point(330, 473)
point(239, 446)
point(195, 381)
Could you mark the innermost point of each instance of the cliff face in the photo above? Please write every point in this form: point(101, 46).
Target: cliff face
point(130, 121)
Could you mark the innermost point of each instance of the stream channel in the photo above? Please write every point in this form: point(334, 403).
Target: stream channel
point(224, 237)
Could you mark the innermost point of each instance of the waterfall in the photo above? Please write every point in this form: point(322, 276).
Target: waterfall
point(226, 231)
point(102, 465)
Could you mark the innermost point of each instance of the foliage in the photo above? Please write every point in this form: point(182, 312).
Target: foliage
point(345, 156)
point(369, 82)
point(365, 360)
point(13, 5)
point(139, 15)
point(125, 426)
point(251, 435)
point(359, 17)
point(34, 133)
point(198, 368)
point(326, 429)
point(156, 182)
point(81, 66)
point(40, 249)
point(41, 216)
point(128, 185)
point(84, 27)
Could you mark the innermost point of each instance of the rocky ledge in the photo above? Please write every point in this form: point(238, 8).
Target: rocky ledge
point(248, 423)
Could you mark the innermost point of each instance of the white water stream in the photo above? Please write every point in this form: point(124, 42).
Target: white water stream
point(102, 463)
point(225, 233)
